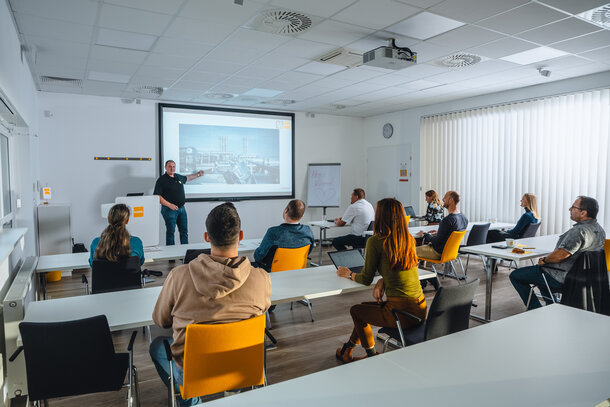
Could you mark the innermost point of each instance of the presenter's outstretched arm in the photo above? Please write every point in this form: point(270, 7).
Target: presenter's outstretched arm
point(191, 177)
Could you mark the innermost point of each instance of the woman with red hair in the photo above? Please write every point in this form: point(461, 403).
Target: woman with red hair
point(391, 252)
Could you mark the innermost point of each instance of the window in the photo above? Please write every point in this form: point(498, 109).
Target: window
point(556, 147)
point(5, 197)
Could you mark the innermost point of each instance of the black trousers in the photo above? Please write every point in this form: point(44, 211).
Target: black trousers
point(357, 242)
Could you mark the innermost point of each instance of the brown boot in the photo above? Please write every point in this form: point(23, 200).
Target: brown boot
point(344, 353)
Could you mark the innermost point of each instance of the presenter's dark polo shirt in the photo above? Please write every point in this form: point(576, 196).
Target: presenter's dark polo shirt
point(171, 188)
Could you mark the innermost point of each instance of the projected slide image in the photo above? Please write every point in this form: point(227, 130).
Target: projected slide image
point(229, 155)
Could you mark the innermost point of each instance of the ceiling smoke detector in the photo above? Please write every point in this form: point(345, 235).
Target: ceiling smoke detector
point(600, 15)
point(284, 22)
point(459, 60)
point(148, 90)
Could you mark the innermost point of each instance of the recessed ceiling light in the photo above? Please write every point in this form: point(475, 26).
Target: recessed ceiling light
point(124, 39)
point(218, 95)
point(534, 55)
point(108, 77)
point(424, 25)
point(264, 93)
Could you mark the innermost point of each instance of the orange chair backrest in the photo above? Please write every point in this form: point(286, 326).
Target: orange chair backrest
point(219, 357)
point(452, 246)
point(407, 218)
point(290, 259)
point(607, 250)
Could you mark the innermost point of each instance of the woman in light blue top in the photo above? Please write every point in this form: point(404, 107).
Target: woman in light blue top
point(530, 204)
point(116, 243)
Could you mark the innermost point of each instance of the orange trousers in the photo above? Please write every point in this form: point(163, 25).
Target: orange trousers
point(380, 314)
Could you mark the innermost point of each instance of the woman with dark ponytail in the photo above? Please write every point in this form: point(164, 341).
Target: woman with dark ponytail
point(116, 243)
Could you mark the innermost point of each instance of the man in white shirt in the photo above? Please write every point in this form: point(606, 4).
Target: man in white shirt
point(359, 214)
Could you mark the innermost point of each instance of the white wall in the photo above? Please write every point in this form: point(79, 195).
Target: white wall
point(17, 85)
point(406, 123)
point(82, 127)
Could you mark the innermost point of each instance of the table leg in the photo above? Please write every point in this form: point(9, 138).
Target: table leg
point(490, 265)
point(320, 259)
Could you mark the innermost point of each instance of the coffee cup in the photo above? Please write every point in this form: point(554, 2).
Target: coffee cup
point(510, 242)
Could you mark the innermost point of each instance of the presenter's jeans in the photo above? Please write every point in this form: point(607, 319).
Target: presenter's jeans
point(380, 314)
point(521, 279)
point(357, 242)
point(159, 358)
point(173, 219)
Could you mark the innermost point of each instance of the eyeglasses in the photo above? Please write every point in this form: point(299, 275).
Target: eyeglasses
point(576, 207)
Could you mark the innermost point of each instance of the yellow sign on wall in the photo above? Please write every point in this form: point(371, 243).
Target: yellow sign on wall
point(138, 211)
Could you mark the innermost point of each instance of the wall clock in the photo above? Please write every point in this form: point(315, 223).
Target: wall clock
point(388, 130)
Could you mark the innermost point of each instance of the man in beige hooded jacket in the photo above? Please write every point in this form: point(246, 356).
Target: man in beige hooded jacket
point(217, 288)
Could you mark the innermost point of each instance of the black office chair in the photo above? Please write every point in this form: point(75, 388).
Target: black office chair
point(449, 313)
point(531, 230)
point(75, 357)
point(192, 254)
point(477, 236)
point(108, 276)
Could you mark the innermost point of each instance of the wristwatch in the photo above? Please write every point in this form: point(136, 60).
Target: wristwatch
point(350, 275)
point(543, 260)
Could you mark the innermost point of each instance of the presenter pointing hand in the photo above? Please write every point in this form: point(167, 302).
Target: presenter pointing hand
point(170, 188)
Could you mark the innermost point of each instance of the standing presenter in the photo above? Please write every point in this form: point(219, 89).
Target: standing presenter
point(170, 188)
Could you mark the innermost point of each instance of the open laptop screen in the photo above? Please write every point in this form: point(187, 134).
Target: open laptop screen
point(410, 212)
point(352, 259)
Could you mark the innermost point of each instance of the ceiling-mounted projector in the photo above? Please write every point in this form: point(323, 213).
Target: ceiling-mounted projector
point(390, 57)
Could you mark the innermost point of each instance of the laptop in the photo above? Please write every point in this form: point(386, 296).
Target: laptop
point(352, 259)
point(410, 212)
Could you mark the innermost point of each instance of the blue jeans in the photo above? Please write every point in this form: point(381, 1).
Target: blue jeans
point(159, 358)
point(173, 218)
point(521, 279)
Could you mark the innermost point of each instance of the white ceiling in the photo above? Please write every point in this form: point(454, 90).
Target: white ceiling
point(197, 49)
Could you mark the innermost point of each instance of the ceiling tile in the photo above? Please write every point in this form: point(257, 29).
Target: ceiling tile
point(319, 68)
point(147, 80)
point(503, 47)
point(565, 62)
point(158, 6)
point(259, 72)
point(156, 72)
point(420, 84)
point(585, 43)
point(180, 94)
point(227, 87)
point(123, 39)
point(118, 54)
point(76, 11)
point(192, 85)
point(220, 10)
point(67, 68)
point(55, 29)
point(523, 18)
point(103, 88)
point(216, 66)
point(534, 55)
point(465, 37)
point(234, 55)
point(132, 20)
point(177, 62)
point(303, 49)
point(561, 30)
point(181, 46)
point(188, 28)
point(584, 70)
point(279, 62)
point(320, 8)
point(334, 32)
point(357, 74)
point(600, 55)
point(425, 25)
point(388, 80)
point(57, 50)
point(421, 3)
point(108, 77)
point(101, 65)
point(245, 38)
point(575, 6)
point(207, 77)
point(420, 71)
point(474, 10)
point(375, 14)
point(299, 78)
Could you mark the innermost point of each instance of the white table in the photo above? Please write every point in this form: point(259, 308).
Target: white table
point(552, 356)
point(428, 228)
point(133, 308)
point(324, 226)
point(543, 245)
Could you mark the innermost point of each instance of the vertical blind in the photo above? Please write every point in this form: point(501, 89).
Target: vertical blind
point(556, 148)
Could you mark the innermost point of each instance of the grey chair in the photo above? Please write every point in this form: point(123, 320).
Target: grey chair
point(477, 236)
point(449, 313)
point(531, 230)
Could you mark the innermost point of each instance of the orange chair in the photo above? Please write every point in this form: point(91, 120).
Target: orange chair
point(291, 259)
point(450, 252)
point(407, 218)
point(607, 250)
point(220, 357)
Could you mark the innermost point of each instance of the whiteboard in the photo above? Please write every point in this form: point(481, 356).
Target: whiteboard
point(324, 185)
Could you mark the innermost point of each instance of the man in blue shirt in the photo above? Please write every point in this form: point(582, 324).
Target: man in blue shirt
point(290, 234)
point(170, 188)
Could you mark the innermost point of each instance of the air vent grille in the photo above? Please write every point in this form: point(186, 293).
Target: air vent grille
point(459, 60)
point(600, 15)
point(218, 95)
point(285, 22)
point(56, 80)
point(342, 57)
point(148, 90)
point(279, 102)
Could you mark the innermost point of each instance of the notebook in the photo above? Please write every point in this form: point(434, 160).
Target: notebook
point(352, 259)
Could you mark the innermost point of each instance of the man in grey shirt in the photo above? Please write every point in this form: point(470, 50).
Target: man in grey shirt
point(585, 236)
